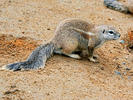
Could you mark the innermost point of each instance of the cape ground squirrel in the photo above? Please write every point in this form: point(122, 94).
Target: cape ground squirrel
point(114, 4)
point(71, 36)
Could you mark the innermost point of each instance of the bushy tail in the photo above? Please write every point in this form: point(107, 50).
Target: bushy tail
point(36, 60)
point(115, 5)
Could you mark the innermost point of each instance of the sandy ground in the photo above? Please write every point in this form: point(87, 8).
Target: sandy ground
point(25, 24)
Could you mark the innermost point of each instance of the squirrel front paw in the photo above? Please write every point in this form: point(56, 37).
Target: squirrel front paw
point(93, 60)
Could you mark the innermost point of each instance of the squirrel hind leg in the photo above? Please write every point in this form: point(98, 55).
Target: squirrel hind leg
point(72, 55)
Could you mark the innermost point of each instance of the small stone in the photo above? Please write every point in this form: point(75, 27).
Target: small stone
point(78, 9)
point(123, 63)
point(48, 28)
point(13, 86)
point(102, 68)
point(124, 73)
point(47, 94)
point(9, 1)
point(129, 77)
point(116, 72)
point(29, 91)
point(20, 20)
point(118, 66)
point(122, 41)
point(128, 69)
point(110, 18)
point(126, 57)
point(7, 92)
point(23, 32)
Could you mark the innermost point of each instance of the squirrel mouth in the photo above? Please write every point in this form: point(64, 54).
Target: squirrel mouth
point(115, 38)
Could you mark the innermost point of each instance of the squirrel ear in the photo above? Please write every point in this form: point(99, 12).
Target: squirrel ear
point(104, 31)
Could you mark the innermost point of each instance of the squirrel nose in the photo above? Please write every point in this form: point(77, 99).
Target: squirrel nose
point(119, 35)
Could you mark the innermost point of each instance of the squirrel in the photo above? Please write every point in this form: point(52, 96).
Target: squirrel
point(115, 5)
point(74, 38)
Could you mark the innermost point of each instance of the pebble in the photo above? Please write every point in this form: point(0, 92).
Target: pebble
point(116, 72)
point(129, 77)
point(122, 41)
point(124, 73)
point(48, 28)
point(102, 68)
point(128, 69)
point(123, 63)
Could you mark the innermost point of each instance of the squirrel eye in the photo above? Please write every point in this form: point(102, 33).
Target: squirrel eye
point(111, 32)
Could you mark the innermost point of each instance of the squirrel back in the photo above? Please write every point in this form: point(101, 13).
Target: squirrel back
point(72, 30)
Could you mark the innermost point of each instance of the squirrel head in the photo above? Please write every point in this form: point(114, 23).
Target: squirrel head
point(108, 32)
